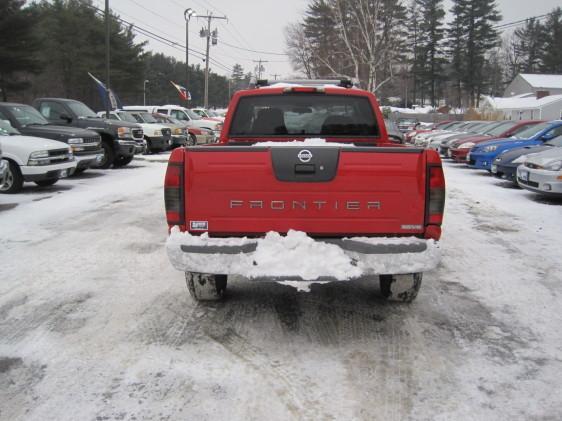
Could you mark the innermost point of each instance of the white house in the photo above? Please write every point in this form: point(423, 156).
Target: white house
point(539, 85)
point(525, 107)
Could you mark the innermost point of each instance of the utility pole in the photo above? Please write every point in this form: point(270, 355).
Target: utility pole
point(207, 33)
point(275, 75)
point(260, 61)
point(107, 30)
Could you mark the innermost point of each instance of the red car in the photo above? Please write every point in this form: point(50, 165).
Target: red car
point(460, 148)
point(410, 135)
point(304, 184)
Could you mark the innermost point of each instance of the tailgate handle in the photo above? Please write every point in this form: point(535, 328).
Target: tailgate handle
point(305, 168)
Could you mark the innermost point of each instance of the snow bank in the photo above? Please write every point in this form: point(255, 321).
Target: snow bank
point(418, 110)
point(316, 141)
point(298, 255)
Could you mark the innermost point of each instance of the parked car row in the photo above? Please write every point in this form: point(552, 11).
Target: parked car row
point(57, 137)
point(527, 152)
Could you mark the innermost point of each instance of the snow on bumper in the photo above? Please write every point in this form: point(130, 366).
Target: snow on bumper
point(301, 257)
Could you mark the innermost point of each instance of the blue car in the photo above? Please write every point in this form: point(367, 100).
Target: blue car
point(483, 154)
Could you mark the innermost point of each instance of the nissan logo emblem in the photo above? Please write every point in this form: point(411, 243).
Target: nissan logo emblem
point(305, 155)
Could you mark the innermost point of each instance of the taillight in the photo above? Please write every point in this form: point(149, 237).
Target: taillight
point(174, 189)
point(435, 201)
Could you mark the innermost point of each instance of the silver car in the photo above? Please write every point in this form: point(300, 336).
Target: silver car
point(542, 172)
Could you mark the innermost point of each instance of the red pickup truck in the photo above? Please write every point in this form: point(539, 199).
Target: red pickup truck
point(304, 184)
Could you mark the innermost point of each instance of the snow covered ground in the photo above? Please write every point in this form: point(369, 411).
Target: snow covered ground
point(95, 324)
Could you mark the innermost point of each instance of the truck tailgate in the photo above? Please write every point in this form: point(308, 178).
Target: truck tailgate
point(324, 191)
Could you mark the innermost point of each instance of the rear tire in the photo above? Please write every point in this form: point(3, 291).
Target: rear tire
point(192, 141)
point(79, 171)
point(205, 286)
point(401, 288)
point(46, 183)
point(14, 180)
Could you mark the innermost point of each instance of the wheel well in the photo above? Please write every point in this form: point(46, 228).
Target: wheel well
point(107, 139)
point(11, 160)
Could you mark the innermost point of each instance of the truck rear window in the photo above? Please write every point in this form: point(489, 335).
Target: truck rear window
point(304, 115)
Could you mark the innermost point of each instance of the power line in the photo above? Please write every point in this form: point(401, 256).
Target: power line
point(143, 22)
point(260, 61)
point(239, 37)
point(255, 51)
point(225, 27)
point(156, 14)
point(164, 40)
point(518, 22)
point(234, 27)
point(221, 53)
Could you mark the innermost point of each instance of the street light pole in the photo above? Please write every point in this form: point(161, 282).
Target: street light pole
point(189, 12)
point(107, 29)
point(144, 92)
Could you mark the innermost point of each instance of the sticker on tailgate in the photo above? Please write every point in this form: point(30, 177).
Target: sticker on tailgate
point(199, 225)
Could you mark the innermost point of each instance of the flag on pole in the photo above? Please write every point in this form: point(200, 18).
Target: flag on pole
point(114, 102)
point(184, 93)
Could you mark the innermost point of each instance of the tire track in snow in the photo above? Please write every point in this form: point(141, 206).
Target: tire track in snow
point(277, 377)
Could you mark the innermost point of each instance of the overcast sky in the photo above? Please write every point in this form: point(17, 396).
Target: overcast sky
point(252, 25)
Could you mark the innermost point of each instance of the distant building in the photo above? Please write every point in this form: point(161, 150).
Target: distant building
point(539, 85)
point(524, 107)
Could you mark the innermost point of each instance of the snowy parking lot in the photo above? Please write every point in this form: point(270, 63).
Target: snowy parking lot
point(95, 324)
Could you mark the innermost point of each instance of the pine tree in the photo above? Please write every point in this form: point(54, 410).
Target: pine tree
point(474, 34)
point(18, 46)
point(320, 30)
point(413, 42)
point(237, 72)
point(528, 44)
point(237, 78)
point(432, 33)
point(456, 44)
point(551, 53)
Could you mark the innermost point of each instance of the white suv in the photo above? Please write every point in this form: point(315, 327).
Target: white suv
point(42, 161)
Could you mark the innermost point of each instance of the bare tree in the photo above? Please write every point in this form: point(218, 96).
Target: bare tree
point(512, 60)
point(370, 34)
point(299, 49)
